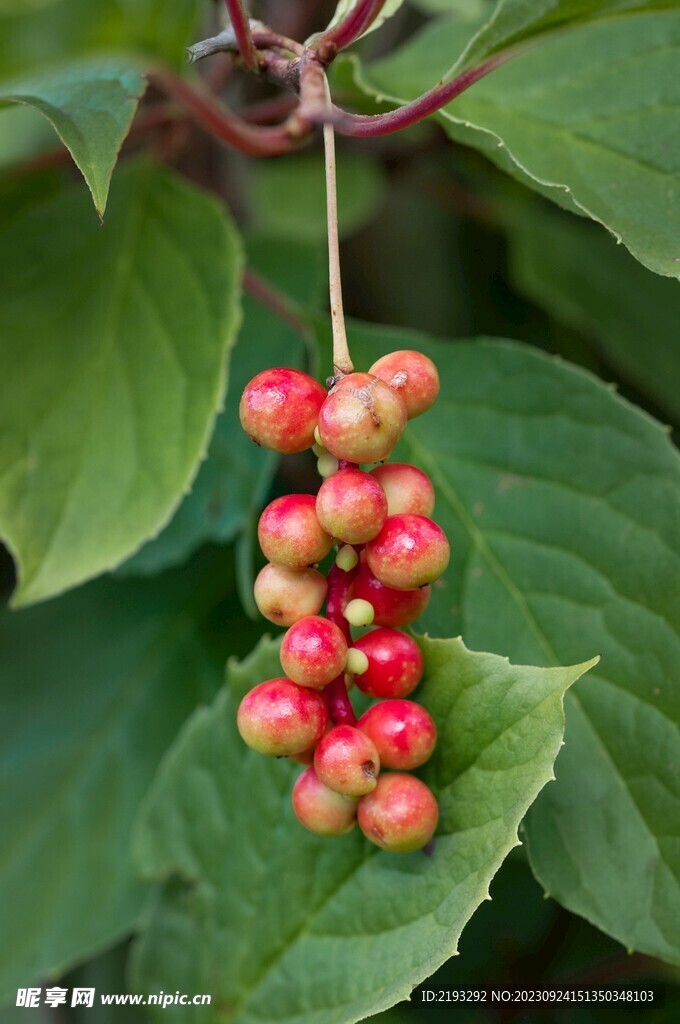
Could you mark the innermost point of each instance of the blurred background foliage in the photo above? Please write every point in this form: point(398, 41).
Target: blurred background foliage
point(435, 238)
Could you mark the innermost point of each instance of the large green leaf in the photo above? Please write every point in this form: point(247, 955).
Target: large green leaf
point(561, 503)
point(280, 925)
point(91, 107)
point(113, 355)
point(233, 482)
point(95, 686)
point(37, 33)
point(589, 283)
point(595, 133)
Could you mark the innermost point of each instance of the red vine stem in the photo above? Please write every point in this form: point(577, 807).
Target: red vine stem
point(352, 26)
point(241, 26)
point(264, 293)
point(373, 125)
point(205, 110)
point(339, 705)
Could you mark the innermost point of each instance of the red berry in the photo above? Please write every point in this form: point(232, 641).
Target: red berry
point(322, 810)
point(346, 760)
point(400, 815)
point(409, 552)
point(284, 596)
point(391, 607)
point(280, 408)
point(395, 663)
point(362, 419)
point(351, 506)
point(413, 376)
point(279, 718)
point(313, 651)
point(290, 533)
point(403, 732)
point(406, 488)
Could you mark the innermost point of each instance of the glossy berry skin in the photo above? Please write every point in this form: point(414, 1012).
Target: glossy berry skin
point(395, 663)
point(403, 732)
point(410, 551)
point(406, 488)
point(284, 596)
point(290, 533)
point(391, 607)
point(321, 810)
point(400, 815)
point(413, 376)
point(347, 761)
point(279, 718)
point(351, 506)
point(362, 419)
point(280, 407)
point(313, 651)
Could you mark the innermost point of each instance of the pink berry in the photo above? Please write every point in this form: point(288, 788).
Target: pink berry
point(391, 607)
point(313, 651)
point(351, 506)
point(406, 488)
point(290, 533)
point(403, 732)
point(409, 552)
point(284, 596)
point(280, 407)
point(322, 810)
point(362, 419)
point(413, 376)
point(400, 815)
point(346, 761)
point(395, 663)
point(279, 717)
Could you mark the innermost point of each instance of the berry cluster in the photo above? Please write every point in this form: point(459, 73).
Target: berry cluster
point(389, 552)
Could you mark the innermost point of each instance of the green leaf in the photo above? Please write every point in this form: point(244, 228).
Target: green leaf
point(234, 480)
point(344, 7)
point(561, 504)
point(277, 923)
point(289, 195)
point(585, 280)
point(113, 354)
point(95, 687)
point(596, 135)
point(35, 35)
point(90, 106)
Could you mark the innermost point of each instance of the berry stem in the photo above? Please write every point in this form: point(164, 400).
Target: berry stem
point(351, 27)
point(342, 361)
point(241, 26)
point(339, 705)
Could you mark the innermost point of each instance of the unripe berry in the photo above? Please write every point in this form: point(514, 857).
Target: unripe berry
point(347, 761)
point(359, 612)
point(413, 376)
point(280, 407)
point(406, 488)
point(351, 506)
point(395, 663)
point(322, 810)
point(357, 662)
point(290, 533)
point(409, 552)
point(362, 419)
point(390, 607)
point(279, 718)
point(346, 558)
point(403, 732)
point(400, 815)
point(313, 651)
point(284, 596)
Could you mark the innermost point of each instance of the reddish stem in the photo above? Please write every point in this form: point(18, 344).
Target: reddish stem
point(241, 26)
point(352, 26)
point(205, 110)
point(275, 301)
point(339, 705)
point(373, 125)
